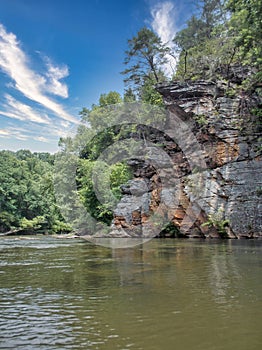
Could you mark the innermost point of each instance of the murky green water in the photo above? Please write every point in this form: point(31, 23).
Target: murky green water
point(166, 294)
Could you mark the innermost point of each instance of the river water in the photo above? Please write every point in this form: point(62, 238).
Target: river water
point(163, 295)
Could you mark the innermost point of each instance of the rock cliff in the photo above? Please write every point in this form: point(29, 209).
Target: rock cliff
point(219, 197)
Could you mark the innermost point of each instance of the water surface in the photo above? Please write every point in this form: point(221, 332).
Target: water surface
point(165, 294)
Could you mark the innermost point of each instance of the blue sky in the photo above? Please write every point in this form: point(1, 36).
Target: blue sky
point(57, 56)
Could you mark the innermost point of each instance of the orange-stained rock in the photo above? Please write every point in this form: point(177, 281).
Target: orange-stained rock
point(179, 214)
point(230, 144)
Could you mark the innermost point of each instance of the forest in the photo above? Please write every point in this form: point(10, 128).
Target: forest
point(220, 35)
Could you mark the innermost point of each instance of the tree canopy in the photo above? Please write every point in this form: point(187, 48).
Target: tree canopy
point(27, 198)
point(222, 34)
point(145, 58)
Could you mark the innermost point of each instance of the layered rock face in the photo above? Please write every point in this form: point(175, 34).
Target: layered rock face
point(214, 142)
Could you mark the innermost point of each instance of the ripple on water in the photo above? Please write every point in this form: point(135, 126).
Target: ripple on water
point(41, 319)
point(71, 295)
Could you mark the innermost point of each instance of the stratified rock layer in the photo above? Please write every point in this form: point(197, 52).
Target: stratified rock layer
point(225, 189)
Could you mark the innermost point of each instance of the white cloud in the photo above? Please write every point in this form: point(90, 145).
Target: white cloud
point(14, 63)
point(54, 75)
point(41, 139)
point(13, 133)
point(29, 134)
point(17, 110)
point(36, 137)
point(163, 23)
point(58, 130)
point(37, 126)
point(3, 133)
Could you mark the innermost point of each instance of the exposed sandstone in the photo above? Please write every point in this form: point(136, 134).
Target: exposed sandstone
point(226, 190)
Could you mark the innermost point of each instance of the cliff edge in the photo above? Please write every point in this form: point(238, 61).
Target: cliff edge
point(223, 197)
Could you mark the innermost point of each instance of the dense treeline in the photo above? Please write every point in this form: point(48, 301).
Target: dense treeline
point(26, 193)
point(218, 37)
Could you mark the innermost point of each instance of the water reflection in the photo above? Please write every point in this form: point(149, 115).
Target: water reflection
point(224, 276)
point(166, 294)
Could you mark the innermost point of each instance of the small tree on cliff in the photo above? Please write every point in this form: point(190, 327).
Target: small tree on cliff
point(145, 58)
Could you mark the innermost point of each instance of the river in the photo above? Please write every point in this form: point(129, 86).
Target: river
point(162, 295)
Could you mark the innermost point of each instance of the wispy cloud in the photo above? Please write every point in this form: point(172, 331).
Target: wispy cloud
point(13, 133)
point(17, 110)
point(54, 76)
point(41, 139)
point(45, 134)
point(4, 133)
point(163, 23)
point(36, 87)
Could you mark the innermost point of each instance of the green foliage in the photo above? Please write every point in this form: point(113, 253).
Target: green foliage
point(34, 224)
point(171, 231)
point(148, 93)
point(245, 25)
point(145, 57)
point(107, 189)
point(120, 173)
point(190, 36)
point(201, 119)
point(218, 221)
point(129, 96)
point(106, 125)
point(7, 221)
point(257, 112)
point(98, 143)
point(26, 191)
point(111, 98)
point(230, 92)
point(224, 33)
point(60, 227)
point(202, 44)
point(99, 116)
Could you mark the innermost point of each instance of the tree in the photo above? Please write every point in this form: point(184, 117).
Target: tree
point(212, 14)
point(129, 95)
point(148, 93)
point(111, 98)
point(208, 44)
point(245, 26)
point(190, 36)
point(200, 28)
point(145, 57)
point(99, 115)
point(223, 35)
